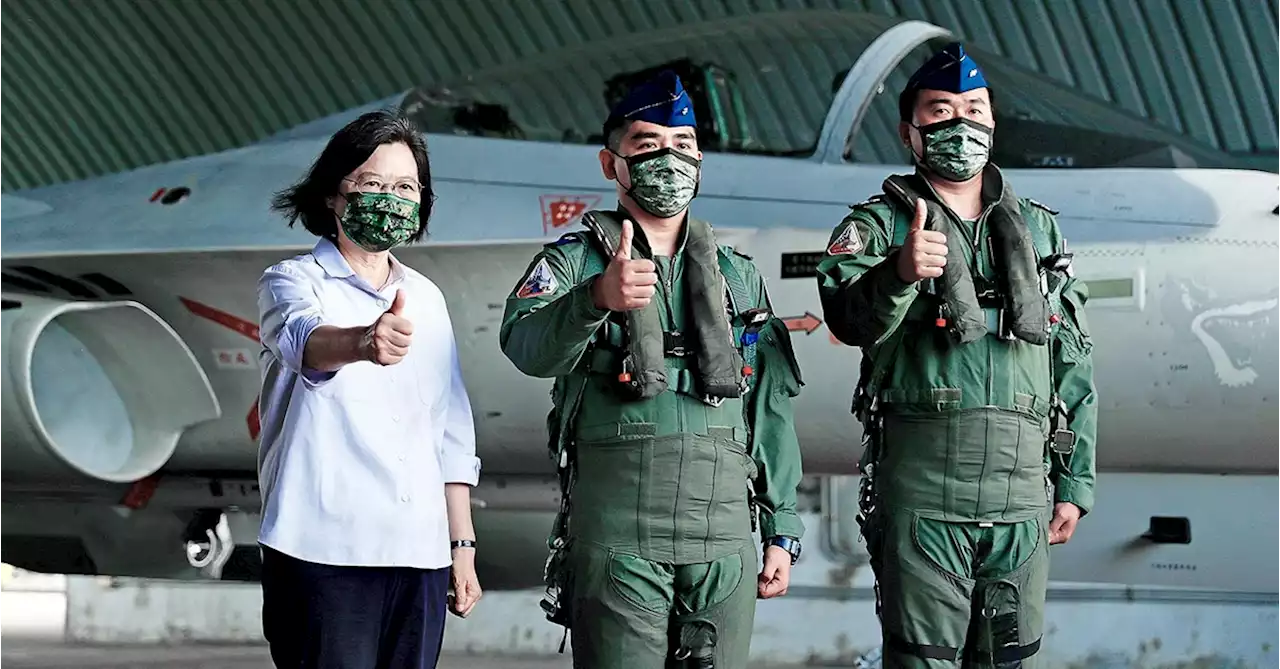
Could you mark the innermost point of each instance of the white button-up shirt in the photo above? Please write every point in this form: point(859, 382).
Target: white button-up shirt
point(353, 463)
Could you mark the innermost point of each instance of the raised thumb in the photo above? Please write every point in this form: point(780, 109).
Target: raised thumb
point(397, 306)
point(624, 242)
point(922, 214)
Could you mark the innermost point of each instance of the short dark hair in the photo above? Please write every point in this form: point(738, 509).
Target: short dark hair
point(615, 134)
point(618, 132)
point(907, 103)
point(347, 150)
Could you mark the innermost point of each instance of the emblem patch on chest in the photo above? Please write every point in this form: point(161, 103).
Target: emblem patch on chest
point(541, 281)
point(848, 243)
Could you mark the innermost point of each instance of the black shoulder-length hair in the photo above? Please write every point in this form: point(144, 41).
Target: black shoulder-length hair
point(347, 150)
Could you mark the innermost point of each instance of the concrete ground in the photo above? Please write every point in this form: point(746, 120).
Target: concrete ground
point(43, 655)
point(38, 654)
point(31, 632)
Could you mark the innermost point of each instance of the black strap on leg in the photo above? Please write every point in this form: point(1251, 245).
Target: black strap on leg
point(898, 644)
point(697, 642)
point(1007, 654)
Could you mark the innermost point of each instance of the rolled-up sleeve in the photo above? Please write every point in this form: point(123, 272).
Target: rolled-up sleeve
point(288, 312)
point(460, 463)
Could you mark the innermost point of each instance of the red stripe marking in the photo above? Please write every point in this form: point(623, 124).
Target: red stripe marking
point(222, 318)
point(156, 196)
point(237, 324)
point(255, 427)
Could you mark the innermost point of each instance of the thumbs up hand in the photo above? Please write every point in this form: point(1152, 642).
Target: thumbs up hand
point(387, 341)
point(924, 253)
point(626, 284)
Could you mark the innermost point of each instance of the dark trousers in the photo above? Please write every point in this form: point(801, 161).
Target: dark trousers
point(317, 616)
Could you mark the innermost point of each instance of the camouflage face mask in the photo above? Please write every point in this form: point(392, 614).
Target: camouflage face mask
point(663, 182)
point(955, 149)
point(379, 221)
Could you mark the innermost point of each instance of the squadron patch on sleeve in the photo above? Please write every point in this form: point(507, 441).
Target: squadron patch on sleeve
point(541, 281)
point(848, 243)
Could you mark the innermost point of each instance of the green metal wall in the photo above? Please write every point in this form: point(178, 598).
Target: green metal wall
point(92, 87)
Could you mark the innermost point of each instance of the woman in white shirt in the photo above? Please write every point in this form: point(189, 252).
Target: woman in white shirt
point(367, 453)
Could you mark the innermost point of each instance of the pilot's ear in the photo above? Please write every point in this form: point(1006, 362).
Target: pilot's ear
point(904, 133)
point(606, 165)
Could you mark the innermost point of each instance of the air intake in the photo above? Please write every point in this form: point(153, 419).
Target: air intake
point(103, 389)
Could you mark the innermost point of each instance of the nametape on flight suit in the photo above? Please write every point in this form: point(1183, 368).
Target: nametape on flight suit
point(848, 243)
point(801, 265)
point(541, 281)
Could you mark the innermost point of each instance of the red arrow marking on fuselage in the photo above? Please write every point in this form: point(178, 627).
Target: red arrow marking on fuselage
point(222, 318)
point(808, 322)
point(241, 326)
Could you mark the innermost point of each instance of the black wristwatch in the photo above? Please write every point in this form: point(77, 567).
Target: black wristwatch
point(787, 544)
point(462, 543)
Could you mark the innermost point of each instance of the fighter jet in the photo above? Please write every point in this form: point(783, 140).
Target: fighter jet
point(131, 352)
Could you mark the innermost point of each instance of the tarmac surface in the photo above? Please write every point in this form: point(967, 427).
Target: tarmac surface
point(22, 653)
point(31, 633)
point(40, 654)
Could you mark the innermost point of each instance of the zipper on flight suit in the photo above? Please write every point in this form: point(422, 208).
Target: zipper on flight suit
point(979, 227)
point(976, 242)
point(667, 279)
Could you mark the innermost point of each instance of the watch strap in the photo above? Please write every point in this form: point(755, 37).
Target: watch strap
point(787, 544)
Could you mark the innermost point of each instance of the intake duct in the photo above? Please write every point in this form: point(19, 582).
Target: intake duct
point(99, 389)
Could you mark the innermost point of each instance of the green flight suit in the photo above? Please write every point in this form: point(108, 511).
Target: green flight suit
point(660, 553)
point(961, 479)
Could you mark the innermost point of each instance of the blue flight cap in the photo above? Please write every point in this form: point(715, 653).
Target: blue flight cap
point(950, 70)
point(661, 100)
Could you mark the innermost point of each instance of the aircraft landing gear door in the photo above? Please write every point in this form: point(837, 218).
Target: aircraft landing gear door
point(862, 84)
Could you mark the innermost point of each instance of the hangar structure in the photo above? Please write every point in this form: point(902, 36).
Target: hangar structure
point(95, 88)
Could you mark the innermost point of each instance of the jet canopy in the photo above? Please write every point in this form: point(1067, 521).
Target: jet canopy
point(768, 84)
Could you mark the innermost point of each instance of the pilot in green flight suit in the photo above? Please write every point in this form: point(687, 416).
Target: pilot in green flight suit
point(976, 391)
point(672, 425)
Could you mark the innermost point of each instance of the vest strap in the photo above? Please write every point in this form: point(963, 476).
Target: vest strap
point(642, 370)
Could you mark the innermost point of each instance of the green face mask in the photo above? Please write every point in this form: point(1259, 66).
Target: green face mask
point(379, 221)
point(955, 149)
point(663, 182)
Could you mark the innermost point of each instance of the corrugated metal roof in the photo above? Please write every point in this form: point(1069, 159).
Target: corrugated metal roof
point(95, 87)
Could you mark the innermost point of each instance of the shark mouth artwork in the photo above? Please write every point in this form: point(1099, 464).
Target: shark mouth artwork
point(1232, 333)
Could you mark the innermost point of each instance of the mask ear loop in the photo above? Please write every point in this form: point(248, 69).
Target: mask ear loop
point(924, 147)
point(337, 218)
point(625, 160)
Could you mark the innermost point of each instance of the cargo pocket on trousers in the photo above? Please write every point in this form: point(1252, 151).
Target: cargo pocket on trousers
point(640, 583)
point(708, 585)
point(925, 609)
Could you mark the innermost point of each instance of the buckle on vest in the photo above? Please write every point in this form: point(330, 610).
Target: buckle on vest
point(1063, 442)
point(987, 293)
point(673, 344)
point(713, 401)
point(861, 405)
point(755, 319)
point(1002, 327)
point(1059, 262)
